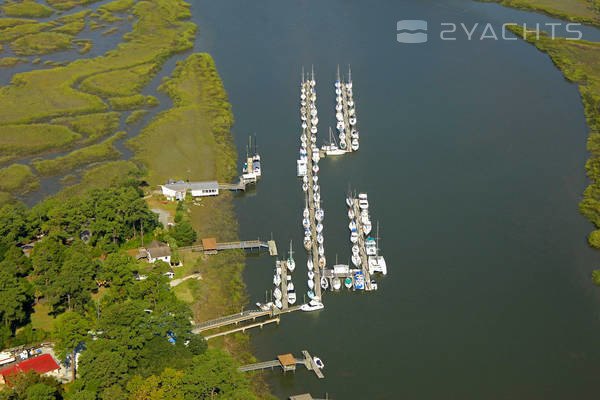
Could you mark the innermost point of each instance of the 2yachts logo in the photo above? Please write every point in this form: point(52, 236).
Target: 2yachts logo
point(415, 31)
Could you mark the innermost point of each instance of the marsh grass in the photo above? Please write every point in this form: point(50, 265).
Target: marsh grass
point(35, 138)
point(72, 28)
point(92, 126)
point(132, 102)
point(27, 9)
point(584, 11)
point(8, 62)
point(136, 117)
point(18, 179)
point(127, 82)
point(42, 43)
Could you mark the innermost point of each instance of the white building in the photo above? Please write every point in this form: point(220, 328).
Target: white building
point(177, 191)
point(158, 251)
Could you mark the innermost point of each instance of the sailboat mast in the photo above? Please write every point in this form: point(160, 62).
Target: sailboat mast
point(338, 73)
point(312, 67)
point(302, 80)
point(349, 74)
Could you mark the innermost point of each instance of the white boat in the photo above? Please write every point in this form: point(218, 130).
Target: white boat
point(356, 260)
point(339, 116)
point(313, 129)
point(349, 201)
point(324, 283)
point(305, 187)
point(322, 262)
point(352, 225)
point(311, 274)
point(309, 264)
point(354, 134)
point(313, 138)
point(332, 148)
point(306, 213)
point(351, 111)
point(311, 295)
point(350, 103)
point(319, 214)
point(314, 121)
point(338, 99)
point(355, 145)
point(371, 247)
point(315, 188)
point(321, 250)
point(363, 204)
point(277, 293)
point(373, 285)
point(367, 227)
point(291, 297)
point(317, 197)
point(342, 138)
point(315, 169)
point(290, 286)
point(276, 279)
point(290, 263)
point(303, 95)
point(265, 306)
point(320, 238)
point(307, 242)
point(306, 223)
point(377, 264)
point(304, 124)
point(354, 237)
point(338, 91)
point(318, 362)
point(311, 283)
point(303, 117)
point(348, 282)
point(355, 249)
point(305, 179)
point(319, 228)
point(340, 125)
point(312, 305)
point(343, 145)
point(338, 107)
point(336, 283)
point(316, 157)
point(352, 121)
point(315, 179)
point(278, 304)
point(313, 112)
point(351, 213)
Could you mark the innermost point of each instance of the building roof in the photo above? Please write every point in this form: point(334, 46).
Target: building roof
point(209, 244)
point(41, 365)
point(182, 187)
point(286, 359)
point(156, 244)
point(303, 396)
point(156, 252)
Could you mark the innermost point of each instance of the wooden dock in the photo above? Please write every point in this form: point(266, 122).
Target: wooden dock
point(246, 245)
point(364, 264)
point(243, 328)
point(311, 204)
point(307, 361)
point(229, 320)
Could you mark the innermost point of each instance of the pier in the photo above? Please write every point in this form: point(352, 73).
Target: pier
point(364, 264)
point(314, 253)
point(230, 320)
point(243, 328)
point(286, 362)
point(246, 245)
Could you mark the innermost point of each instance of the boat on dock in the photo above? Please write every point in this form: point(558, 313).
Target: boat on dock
point(312, 305)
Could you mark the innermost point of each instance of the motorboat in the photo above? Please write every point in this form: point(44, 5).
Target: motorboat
point(315, 169)
point(363, 204)
point(343, 145)
point(278, 304)
point(338, 107)
point(355, 145)
point(304, 124)
point(370, 246)
point(319, 228)
point(351, 111)
point(315, 188)
point(340, 125)
point(322, 262)
point(356, 260)
point(276, 279)
point(313, 138)
point(351, 213)
point(312, 305)
point(377, 264)
point(265, 306)
point(338, 91)
point(305, 187)
point(367, 227)
point(316, 157)
point(313, 129)
point(349, 201)
point(303, 95)
point(291, 297)
point(307, 242)
point(354, 237)
point(355, 249)
point(373, 285)
point(348, 282)
point(306, 223)
point(311, 274)
point(339, 116)
point(314, 121)
point(352, 225)
point(316, 197)
point(306, 213)
point(321, 250)
point(303, 117)
point(319, 214)
point(359, 280)
point(338, 99)
point(336, 283)
point(320, 238)
point(354, 134)
point(351, 103)
point(324, 283)
point(311, 283)
point(309, 264)
point(290, 286)
point(313, 111)
point(315, 179)
point(352, 121)
point(318, 362)
point(277, 293)
point(311, 294)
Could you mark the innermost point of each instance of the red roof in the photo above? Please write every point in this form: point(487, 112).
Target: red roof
point(41, 365)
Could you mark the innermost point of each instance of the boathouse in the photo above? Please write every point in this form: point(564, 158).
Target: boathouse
point(178, 190)
point(287, 361)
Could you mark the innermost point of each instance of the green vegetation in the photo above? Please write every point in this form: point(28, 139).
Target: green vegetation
point(78, 158)
point(196, 128)
point(585, 11)
point(9, 22)
point(18, 31)
point(68, 179)
point(132, 102)
point(100, 177)
point(8, 62)
point(72, 28)
point(136, 117)
point(41, 43)
point(68, 4)
point(75, 17)
point(27, 9)
point(35, 138)
point(84, 44)
point(118, 6)
point(121, 83)
point(110, 31)
point(92, 126)
point(18, 178)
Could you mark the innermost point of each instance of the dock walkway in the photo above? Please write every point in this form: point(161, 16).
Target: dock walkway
point(307, 361)
point(361, 246)
point(246, 245)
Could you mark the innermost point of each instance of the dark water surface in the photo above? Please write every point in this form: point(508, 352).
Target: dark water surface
point(473, 157)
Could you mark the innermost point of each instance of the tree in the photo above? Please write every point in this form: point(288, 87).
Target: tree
point(21, 383)
point(117, 271)
point(167, 386)
point(594, 239)
point(70, 329)
point(16, 298)
point(40, 391)
point(71, 287)
point(16, 262)
point(197, 345)
point(596, 276)
point(183, 233)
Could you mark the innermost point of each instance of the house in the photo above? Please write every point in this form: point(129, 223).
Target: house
point(158, 251)
point(178, 190)
point(43, 365)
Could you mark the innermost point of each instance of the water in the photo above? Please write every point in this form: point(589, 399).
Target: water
point(473, 157)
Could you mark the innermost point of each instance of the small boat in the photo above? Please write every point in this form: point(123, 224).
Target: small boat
point(309, 264)
point(351, 213)
point(321, 250)
point(352, 121)
point(319, 214)
point(291, 297)
point(338, 91)
point(265, 306)
point(306, 213)
point(354, 237)
point(363, 204)
point(315, 178)
point(338, 99)
point(276, 279)
point(290, 286)
point(291, 264)
point(320, 238)
point(324, 283)
point(348, 282)
point(313, 138)
point(315, 169)
point(316, 157)
point(277, 293)
point(339, 116)
point(303, 96)
point(318, 362)
point(278, 304)
point(377, 264)
point(314, 121)
point(351, 104)
point(315, 188)
point(304, 124)
point(352, 225)
point(311, 283)
point(311, 295)
point(373, 285)
point(306, 223)
point(349, 201)
point(305, 179)
point(311, 274)
point(338, 107)
point(319, 228)
point(367, 227)
point(342, 145)
point(305, 187)
point(354, 134)
point(359, 280)
point(322, 262)
point(336, 283)
point(312, 305)
point(340, 125)
point(307, 242)
point(355, 144)
point(355, 249)
point(351, 111)
point(317, 197)
point(342, 138)
point(313, 129)
point(356, 260)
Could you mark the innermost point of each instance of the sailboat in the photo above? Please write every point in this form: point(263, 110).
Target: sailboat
point(291, 264)
point(336, 283)
point(377, 263)
point(332, 148)
point(306, 212)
